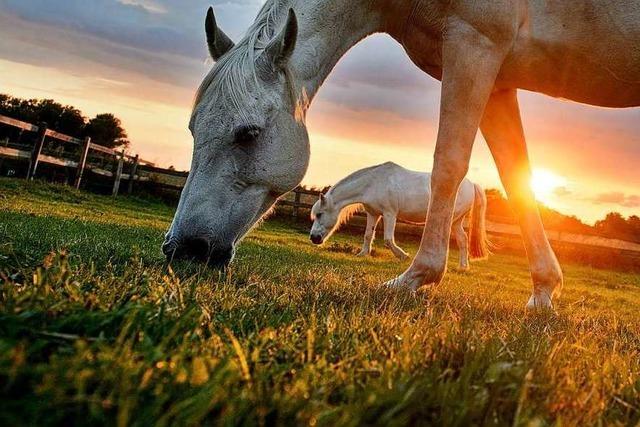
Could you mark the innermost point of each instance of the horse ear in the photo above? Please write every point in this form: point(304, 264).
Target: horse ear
point(219, 43)
point(281, 47)
point(323, 199)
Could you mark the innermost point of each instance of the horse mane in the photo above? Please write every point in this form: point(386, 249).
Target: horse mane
point(231, 70)
point(347, 213)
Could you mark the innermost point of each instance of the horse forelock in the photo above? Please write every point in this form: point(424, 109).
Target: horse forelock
point(231, 71)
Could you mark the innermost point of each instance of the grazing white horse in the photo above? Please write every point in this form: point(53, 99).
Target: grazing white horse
point(250, 140)
point(394, 193)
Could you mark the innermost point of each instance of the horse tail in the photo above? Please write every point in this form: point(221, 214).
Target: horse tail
point(478, 240)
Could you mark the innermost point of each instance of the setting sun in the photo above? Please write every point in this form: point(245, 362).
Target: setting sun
point(544, 183)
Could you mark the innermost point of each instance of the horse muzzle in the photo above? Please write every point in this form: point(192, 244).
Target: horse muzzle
point(316, 239)
point(200, 249)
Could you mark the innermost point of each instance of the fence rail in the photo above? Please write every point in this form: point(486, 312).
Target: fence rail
point(298, 200)
point(122, 161)
point(18, 124)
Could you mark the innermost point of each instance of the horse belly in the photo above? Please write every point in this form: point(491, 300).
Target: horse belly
point(413, 197)
point(587, 51)
point(415, 217)
point(415, 205)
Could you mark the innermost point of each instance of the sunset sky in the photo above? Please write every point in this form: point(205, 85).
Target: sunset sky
point(143, 59)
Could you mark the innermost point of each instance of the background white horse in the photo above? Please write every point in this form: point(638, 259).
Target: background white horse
point(396, 193)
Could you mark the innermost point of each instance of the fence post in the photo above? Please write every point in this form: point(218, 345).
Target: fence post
point(132, 174)
point(296, 203)
point(37, 149)
point(116, 182)
point(82, 162)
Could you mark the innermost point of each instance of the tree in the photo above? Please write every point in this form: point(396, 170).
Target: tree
point(554, 220)
point(48, 111)
point(17, 108)
point(71, 121)
point(106, 130)
point(64, 119)
point(4, 101)
point(614, 225)
point(634, 224)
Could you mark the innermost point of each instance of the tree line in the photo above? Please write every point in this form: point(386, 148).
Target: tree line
point(618, 227)
point(103, 129)
point(613, 226)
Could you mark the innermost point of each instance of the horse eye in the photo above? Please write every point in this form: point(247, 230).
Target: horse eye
point(318, 216)
point(246, 134)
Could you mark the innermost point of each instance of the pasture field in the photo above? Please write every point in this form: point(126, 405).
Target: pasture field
point(95, 329)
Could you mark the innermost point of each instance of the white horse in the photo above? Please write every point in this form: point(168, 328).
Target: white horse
point(395, 193)
point(250, 140)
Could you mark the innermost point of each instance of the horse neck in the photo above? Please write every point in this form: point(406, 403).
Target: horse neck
point(328, 29)
point(350, 191)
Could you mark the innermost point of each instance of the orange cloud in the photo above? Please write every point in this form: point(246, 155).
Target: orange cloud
point(618, 198)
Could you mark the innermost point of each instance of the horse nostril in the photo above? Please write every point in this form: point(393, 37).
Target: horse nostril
point(197, 248)
point(169, 248)
point(200, 249)
point(316, 239)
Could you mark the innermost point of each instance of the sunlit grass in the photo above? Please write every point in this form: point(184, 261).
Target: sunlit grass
point(94, 329)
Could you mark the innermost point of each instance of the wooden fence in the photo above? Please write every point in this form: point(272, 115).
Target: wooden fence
point(137, 170)
point(299, 201)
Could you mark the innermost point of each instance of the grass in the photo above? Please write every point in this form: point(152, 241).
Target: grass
point(95, 329)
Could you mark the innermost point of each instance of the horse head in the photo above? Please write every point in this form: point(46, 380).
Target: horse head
point(250, 142)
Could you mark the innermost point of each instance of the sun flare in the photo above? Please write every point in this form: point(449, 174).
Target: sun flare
point(544, 183)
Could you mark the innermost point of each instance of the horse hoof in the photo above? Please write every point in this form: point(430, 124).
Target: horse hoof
point(404, 281)
point(362, 254)
point(396, 283)
point(401, 256)
point(400, 282)
point(540, 301)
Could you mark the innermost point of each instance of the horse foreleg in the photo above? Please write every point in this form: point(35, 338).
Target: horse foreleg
point(502, 128)
point(470, 66)
point(369, 233)
point(463, 243)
